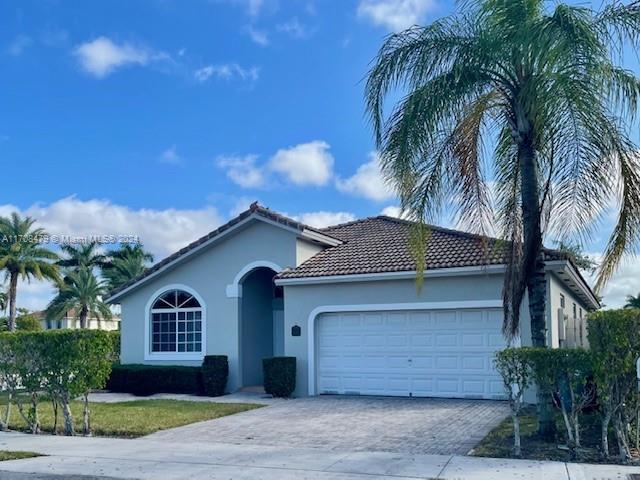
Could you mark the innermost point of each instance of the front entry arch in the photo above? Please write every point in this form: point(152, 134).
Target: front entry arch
point(260, 311)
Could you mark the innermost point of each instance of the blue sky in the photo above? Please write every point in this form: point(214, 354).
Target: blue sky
point(164, 118)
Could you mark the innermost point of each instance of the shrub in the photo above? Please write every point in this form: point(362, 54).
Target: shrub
point(279, 376)
point(64, 364)
point(513, 366)
point(565, 372)
point(614, 340)
point(215, 371)
point(146, 380)
point(115, 341)
point(28, 322)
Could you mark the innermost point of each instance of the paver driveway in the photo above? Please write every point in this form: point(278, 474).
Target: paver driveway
point(403, 425)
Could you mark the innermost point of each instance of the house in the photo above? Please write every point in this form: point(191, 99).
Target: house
point(343, 300)
point(71, 320)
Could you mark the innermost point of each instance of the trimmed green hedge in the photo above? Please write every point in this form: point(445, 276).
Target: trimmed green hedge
point(146, 380)
point(279, 376)
point(215, 371)
point(63, 364)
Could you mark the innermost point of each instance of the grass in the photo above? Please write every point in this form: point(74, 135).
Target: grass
point(8, 455)
point(132, 419)
point(499, 442)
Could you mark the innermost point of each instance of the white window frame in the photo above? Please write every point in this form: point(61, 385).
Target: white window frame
point(148, 353)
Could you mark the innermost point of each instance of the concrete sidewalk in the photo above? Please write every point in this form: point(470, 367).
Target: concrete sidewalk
point(152, 460)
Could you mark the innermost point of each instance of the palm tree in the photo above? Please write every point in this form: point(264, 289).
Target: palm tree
point(125, 264)
point(82, 292)
point(82, 255)
point(543, 87)
point(632, 302)
point(22, 256)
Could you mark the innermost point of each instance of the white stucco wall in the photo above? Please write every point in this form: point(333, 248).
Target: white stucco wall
point(305, 250)
point(555, 288)
point(209, 273)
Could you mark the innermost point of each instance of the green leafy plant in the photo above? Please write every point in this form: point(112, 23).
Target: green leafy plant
point(513, 366)
point(614, 342)
point(65, 364)
point(279, 376)
point(215, 371)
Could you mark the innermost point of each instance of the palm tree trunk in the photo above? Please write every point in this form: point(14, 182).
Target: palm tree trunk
point(83, 317)
point(533, 260)
point(13, 291)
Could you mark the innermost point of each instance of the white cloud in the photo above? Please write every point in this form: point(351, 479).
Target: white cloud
point(394, 211)
point(242, 170)
point(101, 56)
point(258, 36)
point(304, 164)
point(170, 157)
point(395, 15)
point(162, 231)
point(367, 182)
point(294, 28)
point(626, 281)
point(323, 219)
point(226, 71)
point(18, 45)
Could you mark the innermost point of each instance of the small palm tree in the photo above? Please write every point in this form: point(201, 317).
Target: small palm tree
point(82, 292)
point(125, 264)
point(82, 255)
point(632, 302)
point(22, 256)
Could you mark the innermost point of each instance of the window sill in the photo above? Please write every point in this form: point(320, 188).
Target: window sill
point(174, 356)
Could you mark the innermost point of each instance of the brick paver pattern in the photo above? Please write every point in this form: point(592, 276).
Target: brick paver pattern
point(403, 425)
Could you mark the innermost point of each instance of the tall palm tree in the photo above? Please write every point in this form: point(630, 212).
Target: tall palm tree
point(542, 84)
point(632, 302)
point(121, 270)
point(125, 264)
point(132, 250)
point(82, 255)
point(82, 293)
point(22, 256)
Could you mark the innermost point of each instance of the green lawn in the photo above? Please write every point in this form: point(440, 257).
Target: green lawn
point(7, 455)
point(499, 442)
point(135, 418)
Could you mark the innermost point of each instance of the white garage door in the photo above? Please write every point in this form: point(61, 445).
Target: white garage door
point(427, 353)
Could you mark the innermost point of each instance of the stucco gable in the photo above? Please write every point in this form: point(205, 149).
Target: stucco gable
point(225, 232)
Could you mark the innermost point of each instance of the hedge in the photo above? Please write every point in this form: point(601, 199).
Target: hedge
point(64, 364)
point(279, 376)
point(146, 380)
point(215, 371)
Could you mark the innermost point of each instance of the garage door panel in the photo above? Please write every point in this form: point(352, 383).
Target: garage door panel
point(419, 353)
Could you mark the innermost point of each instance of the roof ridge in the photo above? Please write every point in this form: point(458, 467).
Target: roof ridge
point(350, 222)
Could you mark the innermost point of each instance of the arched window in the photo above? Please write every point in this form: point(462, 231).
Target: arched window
point(176, 323)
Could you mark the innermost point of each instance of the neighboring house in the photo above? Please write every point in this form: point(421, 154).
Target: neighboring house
point(72, 320)
point(343, 300)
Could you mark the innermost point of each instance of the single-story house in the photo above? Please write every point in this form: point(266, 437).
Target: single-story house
point(344, 301)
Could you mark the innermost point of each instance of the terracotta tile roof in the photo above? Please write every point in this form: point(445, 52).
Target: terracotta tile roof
point(383, 244)
point(253, 209)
